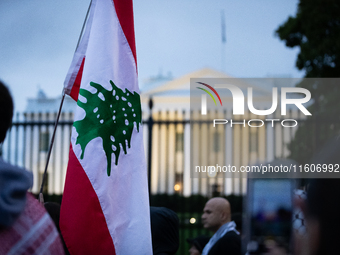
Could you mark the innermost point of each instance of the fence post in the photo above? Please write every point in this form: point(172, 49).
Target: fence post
point(150, 124)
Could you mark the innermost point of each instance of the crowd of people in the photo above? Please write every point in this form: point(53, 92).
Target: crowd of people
point(27, 227)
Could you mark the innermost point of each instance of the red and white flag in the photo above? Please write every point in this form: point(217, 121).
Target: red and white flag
point(105, 206)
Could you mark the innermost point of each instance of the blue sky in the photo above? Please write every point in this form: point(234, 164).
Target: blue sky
point(177, 36)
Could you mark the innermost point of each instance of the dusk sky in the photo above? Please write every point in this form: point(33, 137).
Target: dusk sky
point(178, 36)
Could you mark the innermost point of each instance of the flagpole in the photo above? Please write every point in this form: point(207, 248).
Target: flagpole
point(41, 197)
point(82, 29)
point(224, 41)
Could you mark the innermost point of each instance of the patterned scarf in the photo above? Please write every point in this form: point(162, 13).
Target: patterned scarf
point(32, 233)
point(230, 226)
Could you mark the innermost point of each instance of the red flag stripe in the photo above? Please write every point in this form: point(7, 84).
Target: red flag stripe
point(76, 85)
point(78, 221)
point(124, 10)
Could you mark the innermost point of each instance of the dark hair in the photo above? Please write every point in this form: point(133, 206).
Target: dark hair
point(6, 111)
point(164, 231)
point(323, 205)
point(323, 200)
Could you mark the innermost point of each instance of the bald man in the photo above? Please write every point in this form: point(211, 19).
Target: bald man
point(217, 218)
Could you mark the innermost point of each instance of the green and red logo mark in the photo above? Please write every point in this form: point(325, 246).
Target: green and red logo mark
point(213, 90)
point(110, 115)
point(204, 97)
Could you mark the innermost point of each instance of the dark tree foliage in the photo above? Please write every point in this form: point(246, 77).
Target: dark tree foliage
point(316, 31)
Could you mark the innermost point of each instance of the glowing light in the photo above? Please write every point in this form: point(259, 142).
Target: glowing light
point(177, 187)
point(192, 220)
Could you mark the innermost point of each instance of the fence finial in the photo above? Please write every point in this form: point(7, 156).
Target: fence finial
point(150, 103)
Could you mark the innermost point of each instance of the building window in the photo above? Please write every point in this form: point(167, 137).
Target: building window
point(178, 182)
point(215, 188)
point(216, 139)
point(253, 139)
point(179, 142)
point(44, 141)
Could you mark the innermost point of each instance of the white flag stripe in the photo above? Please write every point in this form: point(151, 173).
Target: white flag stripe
point(79, 54)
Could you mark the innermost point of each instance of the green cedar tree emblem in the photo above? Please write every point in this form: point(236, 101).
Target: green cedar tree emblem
point(110, 115)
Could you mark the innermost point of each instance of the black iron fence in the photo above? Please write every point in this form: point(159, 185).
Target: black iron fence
point(171, 145)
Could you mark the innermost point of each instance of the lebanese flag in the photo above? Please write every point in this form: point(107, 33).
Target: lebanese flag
point(105, 206)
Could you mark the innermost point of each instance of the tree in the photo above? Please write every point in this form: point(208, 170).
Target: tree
point(316, 31)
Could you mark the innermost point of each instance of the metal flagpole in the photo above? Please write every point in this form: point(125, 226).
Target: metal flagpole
point(224, 41)
point(41, 197)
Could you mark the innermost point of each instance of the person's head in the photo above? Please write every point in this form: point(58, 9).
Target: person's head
point(322, 216)
point(216, 213)
point(6, 111)
point(322, 207)
point(164, 231)
point(197, 244)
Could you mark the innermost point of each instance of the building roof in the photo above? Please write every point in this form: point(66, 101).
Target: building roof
point(175, 94)
point(42, 104)
point(181, 85)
